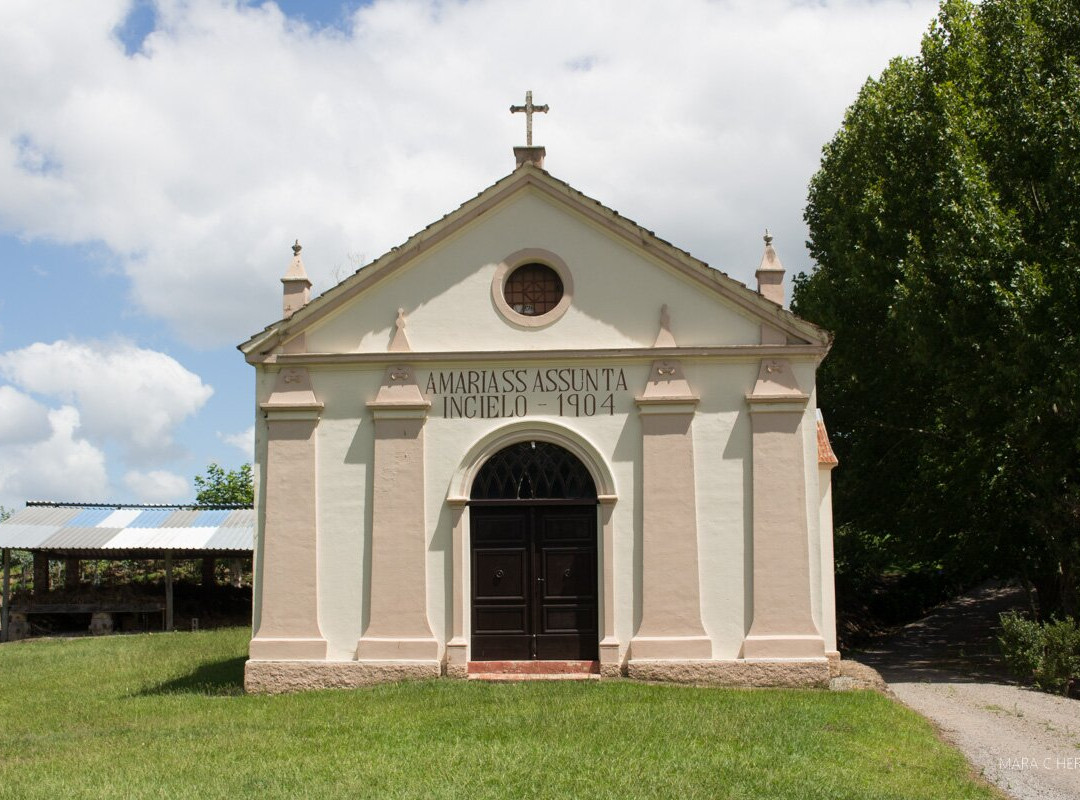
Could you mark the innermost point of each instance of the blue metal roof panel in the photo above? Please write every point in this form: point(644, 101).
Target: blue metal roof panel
point(211, 518)
point(89, 517)
point(151, 518)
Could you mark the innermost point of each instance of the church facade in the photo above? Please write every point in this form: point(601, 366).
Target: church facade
point(537, 438)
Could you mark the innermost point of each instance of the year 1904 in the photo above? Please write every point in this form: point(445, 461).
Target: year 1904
point(585, 405)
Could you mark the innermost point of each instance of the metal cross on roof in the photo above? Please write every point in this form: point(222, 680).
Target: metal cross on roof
point(529, 110)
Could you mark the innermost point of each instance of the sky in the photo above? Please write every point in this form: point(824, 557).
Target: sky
point(159, 157)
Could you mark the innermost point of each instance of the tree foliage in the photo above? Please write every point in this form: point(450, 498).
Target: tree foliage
point(945, 223)
point(222, 487)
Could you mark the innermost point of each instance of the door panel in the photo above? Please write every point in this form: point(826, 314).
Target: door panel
point(534, 583)
point(568, 574)
point(502, 585)
point(500, 574)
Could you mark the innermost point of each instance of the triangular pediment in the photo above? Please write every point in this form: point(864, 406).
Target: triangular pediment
point(434, 293)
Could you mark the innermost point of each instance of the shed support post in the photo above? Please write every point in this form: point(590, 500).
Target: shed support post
point(168, 591)
point(209, 580)
point(5, 612)
point(71, 574)
point(41, 574)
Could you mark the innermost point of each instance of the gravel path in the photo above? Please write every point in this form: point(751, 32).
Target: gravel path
point(943, 666)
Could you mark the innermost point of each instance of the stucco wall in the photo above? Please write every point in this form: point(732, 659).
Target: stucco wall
point(617, 293)
point(619, 286)
point(722, 459)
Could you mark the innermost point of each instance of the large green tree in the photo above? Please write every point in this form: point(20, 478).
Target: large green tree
point(945, 223)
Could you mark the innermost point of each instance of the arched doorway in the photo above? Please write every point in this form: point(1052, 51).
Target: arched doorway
point(533, 556)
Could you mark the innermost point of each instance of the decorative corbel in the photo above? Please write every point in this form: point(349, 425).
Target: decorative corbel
point(399, 390)
point(292, 393)
point(776, 385)
point(667, 384)
point(400, 342)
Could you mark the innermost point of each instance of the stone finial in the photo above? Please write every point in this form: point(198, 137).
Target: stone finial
point(770, 273)
point(297, 287)
point(664, 338)
point(400, 342)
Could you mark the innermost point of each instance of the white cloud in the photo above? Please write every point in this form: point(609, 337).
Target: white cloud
point(125, 394)
point(22, 419)
point(158, 486)
point(74, 409)
point(58, 467)
point(243, 441)
point(235, 129)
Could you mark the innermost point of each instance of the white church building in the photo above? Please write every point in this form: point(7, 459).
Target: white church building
point(536, 438)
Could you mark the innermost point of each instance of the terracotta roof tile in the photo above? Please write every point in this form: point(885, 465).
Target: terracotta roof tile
point(825, 454)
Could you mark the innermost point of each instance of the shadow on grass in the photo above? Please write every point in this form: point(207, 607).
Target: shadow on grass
point(220, 678)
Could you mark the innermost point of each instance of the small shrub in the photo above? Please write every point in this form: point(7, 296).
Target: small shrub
point(1045, 654)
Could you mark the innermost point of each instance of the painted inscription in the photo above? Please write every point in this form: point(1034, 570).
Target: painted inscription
point(495, 393)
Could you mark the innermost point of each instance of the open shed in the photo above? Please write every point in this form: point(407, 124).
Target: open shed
point(112, 531)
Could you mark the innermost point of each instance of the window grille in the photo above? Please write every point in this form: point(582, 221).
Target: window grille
point(533, 289)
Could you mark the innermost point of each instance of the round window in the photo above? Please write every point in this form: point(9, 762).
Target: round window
point(533, 289)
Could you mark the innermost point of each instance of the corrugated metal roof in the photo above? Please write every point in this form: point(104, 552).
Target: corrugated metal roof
point(71, 526)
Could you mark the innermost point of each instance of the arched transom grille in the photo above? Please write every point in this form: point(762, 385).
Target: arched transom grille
point(533, 471)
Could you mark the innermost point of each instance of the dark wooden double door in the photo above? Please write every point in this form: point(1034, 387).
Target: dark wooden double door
point(534, 583)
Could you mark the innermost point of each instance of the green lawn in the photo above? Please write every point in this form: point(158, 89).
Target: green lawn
point(163, 715)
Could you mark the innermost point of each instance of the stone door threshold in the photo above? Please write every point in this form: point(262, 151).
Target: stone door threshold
point(534, 670)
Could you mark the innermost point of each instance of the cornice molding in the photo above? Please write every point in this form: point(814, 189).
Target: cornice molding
point(734, 353)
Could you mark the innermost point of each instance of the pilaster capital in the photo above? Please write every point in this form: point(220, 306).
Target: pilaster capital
point(291, 413)
point(663, 405)
point(381, 411)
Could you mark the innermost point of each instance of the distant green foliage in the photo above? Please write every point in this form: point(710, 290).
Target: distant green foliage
point(945, 223)
point(1046, 654)
point(222, 487)
point(4, 513)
